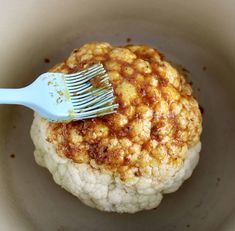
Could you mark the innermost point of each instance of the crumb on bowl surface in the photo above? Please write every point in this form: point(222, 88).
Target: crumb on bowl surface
point(124, 162)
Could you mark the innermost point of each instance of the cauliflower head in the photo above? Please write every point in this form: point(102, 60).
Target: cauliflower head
point(126, 161)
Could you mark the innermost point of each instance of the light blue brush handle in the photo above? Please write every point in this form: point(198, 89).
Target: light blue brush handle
point(25, 96)
point(14, 96)
point(41, 97)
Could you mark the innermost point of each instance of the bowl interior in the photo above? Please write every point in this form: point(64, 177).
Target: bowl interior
point(190, 35)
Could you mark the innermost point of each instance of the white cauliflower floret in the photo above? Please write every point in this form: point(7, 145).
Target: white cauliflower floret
point(103, 190)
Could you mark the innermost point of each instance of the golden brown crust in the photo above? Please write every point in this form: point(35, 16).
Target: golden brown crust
point(157, 120)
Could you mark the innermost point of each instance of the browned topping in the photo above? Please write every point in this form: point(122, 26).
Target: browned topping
point(96, 82)
point(204, 68)
point(47, 60)
point(138, 173)
point(157, 120)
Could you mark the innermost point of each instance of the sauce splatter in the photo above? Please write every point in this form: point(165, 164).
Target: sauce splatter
point(47, 60)
point(204, 68)
point(218, 179)
point(201, 109)
point(12, 155)
point(185, 70)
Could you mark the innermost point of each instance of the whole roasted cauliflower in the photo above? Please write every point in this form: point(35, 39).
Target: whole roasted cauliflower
point(125, 162)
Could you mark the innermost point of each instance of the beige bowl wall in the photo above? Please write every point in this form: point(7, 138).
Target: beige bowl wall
point(196, 34)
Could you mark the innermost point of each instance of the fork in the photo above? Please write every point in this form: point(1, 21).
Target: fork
point(60, 97)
